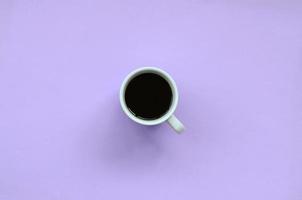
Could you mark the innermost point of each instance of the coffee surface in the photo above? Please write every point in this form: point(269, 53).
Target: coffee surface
point(148, 96)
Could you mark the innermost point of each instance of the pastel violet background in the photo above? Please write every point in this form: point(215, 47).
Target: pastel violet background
point(238, 66)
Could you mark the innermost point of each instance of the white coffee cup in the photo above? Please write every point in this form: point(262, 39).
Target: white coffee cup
point(168, 116)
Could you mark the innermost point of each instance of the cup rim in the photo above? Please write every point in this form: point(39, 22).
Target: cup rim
point(163, 74)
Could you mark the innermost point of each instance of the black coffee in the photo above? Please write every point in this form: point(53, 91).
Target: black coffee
point(148, 96)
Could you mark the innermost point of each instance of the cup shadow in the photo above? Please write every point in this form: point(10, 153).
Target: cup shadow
point(122, 144)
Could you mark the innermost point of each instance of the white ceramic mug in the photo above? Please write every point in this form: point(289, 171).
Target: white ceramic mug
point(168, 116)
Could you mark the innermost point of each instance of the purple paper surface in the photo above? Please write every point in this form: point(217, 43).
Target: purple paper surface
point(238, 67)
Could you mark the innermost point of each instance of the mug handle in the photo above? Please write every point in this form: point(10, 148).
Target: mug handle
point(176, 124)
